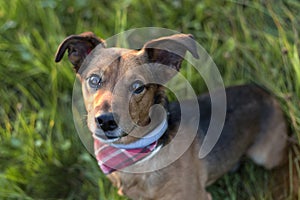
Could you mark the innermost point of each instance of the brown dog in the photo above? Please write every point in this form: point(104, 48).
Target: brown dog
point(119, 96)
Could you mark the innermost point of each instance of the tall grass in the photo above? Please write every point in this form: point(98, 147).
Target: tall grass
point(41, 155)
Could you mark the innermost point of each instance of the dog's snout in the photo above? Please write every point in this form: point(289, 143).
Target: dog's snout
point(106, 122)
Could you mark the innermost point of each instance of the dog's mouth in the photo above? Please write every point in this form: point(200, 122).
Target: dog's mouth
point(109, 136)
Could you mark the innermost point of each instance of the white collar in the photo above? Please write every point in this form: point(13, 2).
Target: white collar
point(151, 137)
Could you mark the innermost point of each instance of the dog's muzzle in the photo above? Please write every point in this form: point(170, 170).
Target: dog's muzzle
point(108, 124)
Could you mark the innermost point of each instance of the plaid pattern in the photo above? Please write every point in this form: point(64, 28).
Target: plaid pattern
point(111, 158)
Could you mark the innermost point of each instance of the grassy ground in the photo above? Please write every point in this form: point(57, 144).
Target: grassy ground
point(41, 156)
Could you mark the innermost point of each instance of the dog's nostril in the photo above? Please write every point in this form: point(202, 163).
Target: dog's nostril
point(106, 122)
point(99, 121)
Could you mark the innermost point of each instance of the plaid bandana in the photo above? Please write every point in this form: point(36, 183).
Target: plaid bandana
point(111, 158)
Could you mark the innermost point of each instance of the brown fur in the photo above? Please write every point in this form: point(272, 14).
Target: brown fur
point(254, 122)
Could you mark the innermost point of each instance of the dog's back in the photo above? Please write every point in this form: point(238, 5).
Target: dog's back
point(254, 124)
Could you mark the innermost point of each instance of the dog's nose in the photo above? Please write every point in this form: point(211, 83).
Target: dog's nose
point(106, 122)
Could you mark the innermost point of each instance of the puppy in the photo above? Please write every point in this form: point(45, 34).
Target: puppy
point(153, 153)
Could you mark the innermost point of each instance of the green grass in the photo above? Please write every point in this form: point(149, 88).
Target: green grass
point(41, 156)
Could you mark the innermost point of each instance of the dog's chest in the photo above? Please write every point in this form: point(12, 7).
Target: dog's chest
point(139, 186)
point(178, 179)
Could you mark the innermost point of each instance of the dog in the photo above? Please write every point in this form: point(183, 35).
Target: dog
point(254, 124)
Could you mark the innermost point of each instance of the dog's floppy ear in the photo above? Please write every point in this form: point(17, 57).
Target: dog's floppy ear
point(78, 46)
point(170, 50)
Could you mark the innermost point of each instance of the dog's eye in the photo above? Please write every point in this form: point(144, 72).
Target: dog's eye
point(94, 81)
point(137, 87)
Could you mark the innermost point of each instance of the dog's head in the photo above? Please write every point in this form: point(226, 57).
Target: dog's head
point(120, 86)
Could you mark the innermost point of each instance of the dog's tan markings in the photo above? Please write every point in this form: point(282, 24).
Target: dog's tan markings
point(139, 106)
point(102, 101)
point(102, 98)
